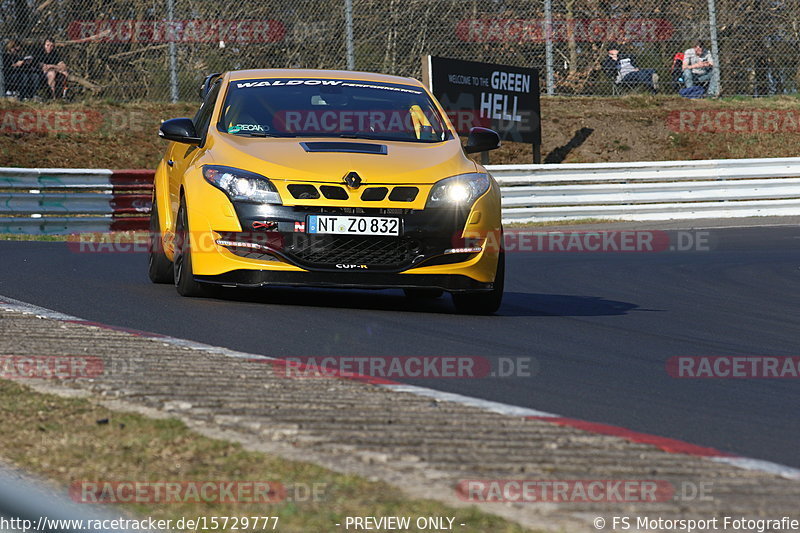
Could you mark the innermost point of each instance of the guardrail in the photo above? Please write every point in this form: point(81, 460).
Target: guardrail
point(663, 190)
point(58, 201)
point(88, 200)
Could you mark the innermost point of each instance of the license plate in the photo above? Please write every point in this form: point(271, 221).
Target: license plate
point(348, 225)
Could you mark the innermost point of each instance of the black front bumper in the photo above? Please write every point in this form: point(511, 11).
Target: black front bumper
point(347, 280)
point(425, 236)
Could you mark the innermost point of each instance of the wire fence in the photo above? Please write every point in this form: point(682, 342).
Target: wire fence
point(162, 49)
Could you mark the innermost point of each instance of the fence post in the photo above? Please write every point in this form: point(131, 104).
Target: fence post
point(548, 47)
point(348, 23)
point(712, 23)
point(2, 79)
point(173, 61)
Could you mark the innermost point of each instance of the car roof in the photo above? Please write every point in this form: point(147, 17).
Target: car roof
point(238, 75)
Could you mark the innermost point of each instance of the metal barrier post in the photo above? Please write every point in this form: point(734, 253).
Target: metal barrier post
point(173, 60)
point(712, 23)
point(548, 47)
point(2, 78)
point(348, 21)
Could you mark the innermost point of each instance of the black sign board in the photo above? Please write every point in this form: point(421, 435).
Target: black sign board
point(500, 97)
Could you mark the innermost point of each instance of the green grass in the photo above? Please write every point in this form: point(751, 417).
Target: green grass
point(69, 440)
point(26, 237)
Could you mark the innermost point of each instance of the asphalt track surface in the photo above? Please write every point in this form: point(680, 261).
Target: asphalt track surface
point(599, 326)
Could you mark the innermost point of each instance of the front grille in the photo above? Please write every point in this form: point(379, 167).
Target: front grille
point(334, 192)
point(403, 194)
point(304, 192)
point(307, 191)
point(325, 210)
point(374, 194)
point(374, 251)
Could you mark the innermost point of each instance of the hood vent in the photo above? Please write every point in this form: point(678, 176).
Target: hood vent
point(354, 148)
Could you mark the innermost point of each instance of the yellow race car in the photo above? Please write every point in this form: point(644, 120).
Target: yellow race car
point(326, 179)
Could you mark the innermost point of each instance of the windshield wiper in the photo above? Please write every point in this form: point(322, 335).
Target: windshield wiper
point(376, 137)
point(356, 135)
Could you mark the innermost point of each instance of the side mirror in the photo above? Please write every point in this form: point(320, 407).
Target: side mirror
point(179, 130)
point(482, 140)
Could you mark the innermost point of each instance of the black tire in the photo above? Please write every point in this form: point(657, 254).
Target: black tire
point(182, 266)
point(423, 294)
point(483, 303)
point(159, 267)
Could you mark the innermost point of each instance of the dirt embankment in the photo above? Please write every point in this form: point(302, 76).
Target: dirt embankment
point(629, 128)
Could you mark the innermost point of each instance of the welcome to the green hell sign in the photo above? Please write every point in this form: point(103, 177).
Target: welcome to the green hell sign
point(503, 97)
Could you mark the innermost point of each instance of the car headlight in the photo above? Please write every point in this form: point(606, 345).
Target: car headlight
point(461, 190)
point(242, 185)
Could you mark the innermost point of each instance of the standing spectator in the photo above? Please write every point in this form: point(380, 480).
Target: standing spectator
point(53, 69)
point(623, 70)
point(698, 67)
point(18, 71)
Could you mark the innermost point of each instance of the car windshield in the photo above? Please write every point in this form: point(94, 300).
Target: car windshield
point(289, 107)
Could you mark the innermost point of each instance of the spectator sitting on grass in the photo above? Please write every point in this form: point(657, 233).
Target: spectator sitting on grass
point(698, 67)
point(20, 76)
point(623, 70)
point(53, 68)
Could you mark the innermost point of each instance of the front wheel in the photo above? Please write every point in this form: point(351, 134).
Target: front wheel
point(182, 266)
point(484, 303)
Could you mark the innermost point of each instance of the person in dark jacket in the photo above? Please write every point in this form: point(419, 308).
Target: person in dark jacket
point(52, 67)
point(19, 72)
point(622, 69)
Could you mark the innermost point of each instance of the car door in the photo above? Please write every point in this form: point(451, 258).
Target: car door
point(181, 155)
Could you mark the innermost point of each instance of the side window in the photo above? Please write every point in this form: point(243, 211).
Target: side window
point(203, 117)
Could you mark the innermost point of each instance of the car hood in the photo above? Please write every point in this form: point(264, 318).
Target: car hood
point(288, 159)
